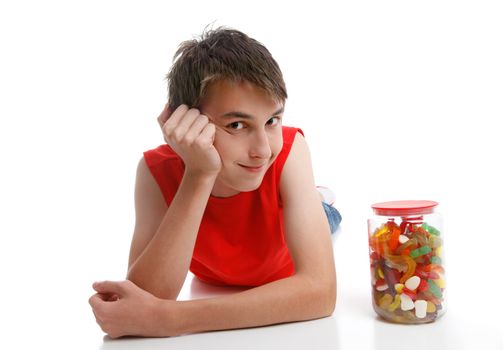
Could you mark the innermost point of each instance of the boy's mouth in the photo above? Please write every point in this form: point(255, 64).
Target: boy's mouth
point(253, 168)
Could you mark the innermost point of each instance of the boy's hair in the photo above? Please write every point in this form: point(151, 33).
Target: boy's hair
point(221, 54)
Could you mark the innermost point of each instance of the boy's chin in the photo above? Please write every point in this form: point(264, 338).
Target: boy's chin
point(248, 187)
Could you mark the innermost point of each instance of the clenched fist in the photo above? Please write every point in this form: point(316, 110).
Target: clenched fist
point(191, 135)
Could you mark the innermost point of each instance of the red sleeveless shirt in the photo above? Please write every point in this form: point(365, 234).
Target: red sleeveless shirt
point(241, 238)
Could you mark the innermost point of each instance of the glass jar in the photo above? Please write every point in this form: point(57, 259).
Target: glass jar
point(406, 261)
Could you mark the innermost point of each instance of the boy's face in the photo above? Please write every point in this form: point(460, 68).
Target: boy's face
point(248, 137)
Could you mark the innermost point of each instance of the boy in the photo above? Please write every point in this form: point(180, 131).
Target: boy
point(230, 196)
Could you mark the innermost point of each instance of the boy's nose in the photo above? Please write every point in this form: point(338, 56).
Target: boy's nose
point(260, 147)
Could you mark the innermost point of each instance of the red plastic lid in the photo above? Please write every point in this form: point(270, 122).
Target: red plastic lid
point(401, 208)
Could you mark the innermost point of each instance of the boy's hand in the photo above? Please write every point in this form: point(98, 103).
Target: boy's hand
point(122, 308)
point(191, 135)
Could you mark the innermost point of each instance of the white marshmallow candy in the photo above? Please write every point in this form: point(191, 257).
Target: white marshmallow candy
point(421, 306)
point(406, 302)
point(412, 283)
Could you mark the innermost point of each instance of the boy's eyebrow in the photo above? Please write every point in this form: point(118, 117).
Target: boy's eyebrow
point(238, 114)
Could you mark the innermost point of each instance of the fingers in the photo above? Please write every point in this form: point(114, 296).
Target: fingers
point(99, 310)
point(177, 115)
point(195, 129)
point(113, 297)
point(185, 127)
point(108, 297)
point(96, 300)
point(110, 287)
point(207, 136)
point(184, 124)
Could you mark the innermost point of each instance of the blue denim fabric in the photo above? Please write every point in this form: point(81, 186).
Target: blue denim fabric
point(333, 215)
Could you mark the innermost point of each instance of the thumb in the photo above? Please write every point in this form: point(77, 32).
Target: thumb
point(109, 287)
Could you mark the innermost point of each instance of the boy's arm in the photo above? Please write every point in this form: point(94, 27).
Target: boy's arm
point(309, 294)
point(161, 267)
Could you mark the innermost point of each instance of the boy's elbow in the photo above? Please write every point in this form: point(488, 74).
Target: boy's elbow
point(330, 298)
point(324, 299)
point(158, 290)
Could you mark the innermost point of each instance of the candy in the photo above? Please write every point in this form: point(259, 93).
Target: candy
point(408, 245)
point(435, 289)
point(382, 230)
point(434, 242)
point(421, 307)
point(385, 301)
point(394, 305)
point(411, 267)
point(420, 251)
point(430, 229)
point(406, 271)
point(440, 282)
point(422, 239)
point(423, 286)
point(399, 287)
point(436, 268)
point(393, 240)
point(406, 302)
point(391, 275)
point(397, 262)
point(427, 274)
point(430, 307)
point(412, 283)
point(381, 285)
point(412, 294)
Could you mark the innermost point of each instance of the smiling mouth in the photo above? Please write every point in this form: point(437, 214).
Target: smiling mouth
point(253, 168)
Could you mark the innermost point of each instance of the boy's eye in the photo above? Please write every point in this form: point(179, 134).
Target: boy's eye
point(274, 122)
point(239, 125)
point(235, 125)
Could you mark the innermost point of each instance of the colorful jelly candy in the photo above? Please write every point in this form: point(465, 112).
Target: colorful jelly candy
point(420, 251)
point(407, 273)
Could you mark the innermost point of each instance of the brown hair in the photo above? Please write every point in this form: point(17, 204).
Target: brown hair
point(220, 54)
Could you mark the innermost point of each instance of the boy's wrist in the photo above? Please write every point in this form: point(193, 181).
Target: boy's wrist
point(201, 177)
point(175, 317)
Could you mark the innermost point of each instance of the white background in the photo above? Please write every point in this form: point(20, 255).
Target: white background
point(397, 99)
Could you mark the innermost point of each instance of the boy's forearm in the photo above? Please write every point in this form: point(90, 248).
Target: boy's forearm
point(286, 300)
point(162, 267)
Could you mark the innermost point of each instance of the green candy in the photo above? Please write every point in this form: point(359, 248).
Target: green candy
point(430, 229)
point(435, 289)
point(436, 260)
point(420, 252)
